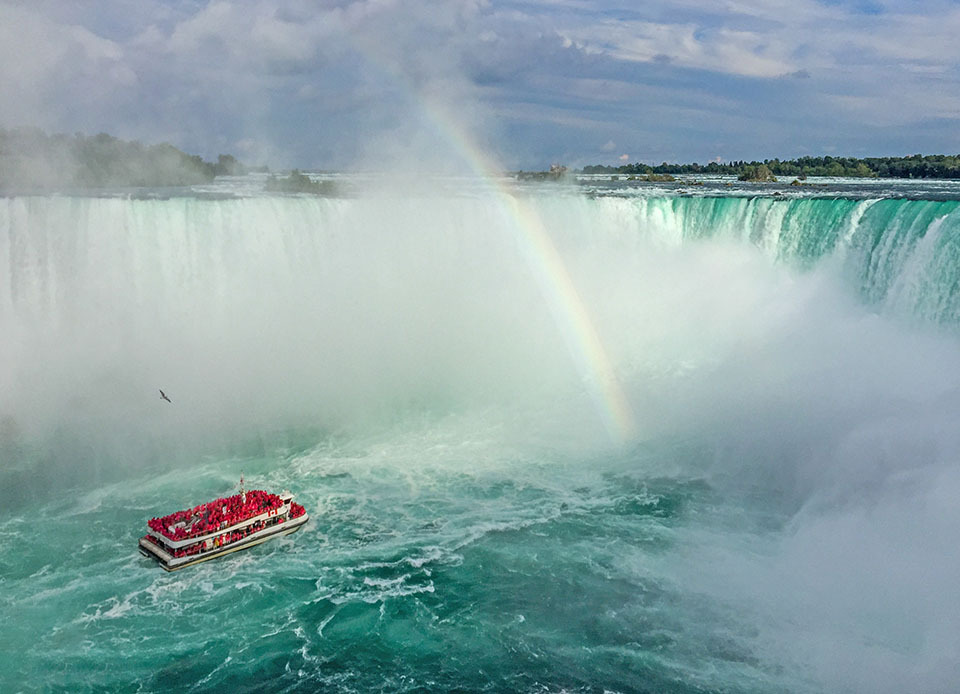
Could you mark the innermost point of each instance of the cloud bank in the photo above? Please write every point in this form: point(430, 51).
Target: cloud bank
point(339, 84)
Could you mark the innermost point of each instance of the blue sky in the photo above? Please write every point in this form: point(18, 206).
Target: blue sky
point(345, 84)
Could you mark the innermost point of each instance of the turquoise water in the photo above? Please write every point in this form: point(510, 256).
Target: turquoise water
point(783, 519)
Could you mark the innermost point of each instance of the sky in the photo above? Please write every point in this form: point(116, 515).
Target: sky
point(357, 84)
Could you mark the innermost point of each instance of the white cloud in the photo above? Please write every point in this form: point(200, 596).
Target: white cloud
point(730, 51)
point(38, 57)
point(772, 38)
point(319, 81)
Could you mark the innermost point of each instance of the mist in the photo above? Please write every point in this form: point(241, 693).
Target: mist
point(261, 314)
point(826, 426)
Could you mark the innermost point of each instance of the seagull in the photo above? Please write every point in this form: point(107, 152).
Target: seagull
point(164, 396)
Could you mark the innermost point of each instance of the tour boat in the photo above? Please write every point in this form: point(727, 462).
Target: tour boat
point(221, 527)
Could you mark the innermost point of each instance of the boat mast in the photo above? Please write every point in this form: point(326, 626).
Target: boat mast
point(243, 493)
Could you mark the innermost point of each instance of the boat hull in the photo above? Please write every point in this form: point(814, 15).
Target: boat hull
point(171, 563)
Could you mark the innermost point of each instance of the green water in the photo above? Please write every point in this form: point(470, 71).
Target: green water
point(900, 253)
point(439, 577)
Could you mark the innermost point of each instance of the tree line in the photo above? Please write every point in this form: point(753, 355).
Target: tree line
point(914, 166)
point(30, 159)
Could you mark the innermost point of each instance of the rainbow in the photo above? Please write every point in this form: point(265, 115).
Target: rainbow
point(573, 320)
point(569, 312)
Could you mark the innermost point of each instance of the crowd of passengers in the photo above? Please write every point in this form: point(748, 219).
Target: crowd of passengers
point(215, 515)
point(218, 541)
point(296, 510)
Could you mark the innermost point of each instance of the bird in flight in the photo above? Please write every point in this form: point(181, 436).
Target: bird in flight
point(164, 396)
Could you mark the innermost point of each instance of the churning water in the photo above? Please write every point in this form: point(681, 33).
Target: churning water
point(781, 515)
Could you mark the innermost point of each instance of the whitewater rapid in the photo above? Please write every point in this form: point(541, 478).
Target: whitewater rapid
point(781, 519)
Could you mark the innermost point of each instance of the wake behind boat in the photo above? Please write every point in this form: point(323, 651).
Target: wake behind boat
point(221, 527)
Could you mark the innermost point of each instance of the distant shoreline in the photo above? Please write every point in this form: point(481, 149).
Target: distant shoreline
point(30, 159)
point(942, 166)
